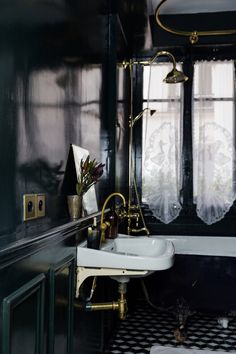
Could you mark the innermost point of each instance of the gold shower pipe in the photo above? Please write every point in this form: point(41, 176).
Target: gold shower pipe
point(193, 35)
point(161, 53)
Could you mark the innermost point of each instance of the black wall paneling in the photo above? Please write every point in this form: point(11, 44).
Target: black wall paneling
point(37, 294)
point(17, 251)
point(28, 299)
point(61, 289)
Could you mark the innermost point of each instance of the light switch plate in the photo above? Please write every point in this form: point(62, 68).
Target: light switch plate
point(40, 205)
point(29, 206)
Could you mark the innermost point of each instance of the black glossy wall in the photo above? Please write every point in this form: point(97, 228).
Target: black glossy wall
point(57, 87)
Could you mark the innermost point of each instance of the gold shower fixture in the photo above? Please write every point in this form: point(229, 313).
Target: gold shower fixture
point(173, 77)
point(194, 34)
point(135, 213)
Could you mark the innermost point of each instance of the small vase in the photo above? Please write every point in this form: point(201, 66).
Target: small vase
point(74, 206)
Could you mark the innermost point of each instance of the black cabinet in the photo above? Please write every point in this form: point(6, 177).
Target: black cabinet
point(23, 318)
point(60, 310)
point(37, 296)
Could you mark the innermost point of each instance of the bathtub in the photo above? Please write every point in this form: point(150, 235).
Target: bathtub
point(224, 246)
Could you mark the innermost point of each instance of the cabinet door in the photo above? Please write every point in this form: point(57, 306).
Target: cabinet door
point(23, 318)
point(60, 311)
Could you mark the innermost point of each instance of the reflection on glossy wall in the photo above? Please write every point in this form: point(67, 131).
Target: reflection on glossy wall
point(56, 65)
point(7, 140)
point(47, 102)
point(55, 108)
point(122, 131)
point(42, 113)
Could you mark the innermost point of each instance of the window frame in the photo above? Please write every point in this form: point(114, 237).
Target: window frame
point(187, 223)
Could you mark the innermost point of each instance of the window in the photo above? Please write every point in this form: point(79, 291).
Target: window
point(212, 141)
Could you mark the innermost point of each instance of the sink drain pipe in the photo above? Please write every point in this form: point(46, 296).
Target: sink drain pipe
point(120, 305)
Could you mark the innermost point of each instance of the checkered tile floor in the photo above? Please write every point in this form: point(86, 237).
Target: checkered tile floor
point(145, 327)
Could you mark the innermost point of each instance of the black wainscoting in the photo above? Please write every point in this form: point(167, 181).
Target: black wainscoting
point(37, 295)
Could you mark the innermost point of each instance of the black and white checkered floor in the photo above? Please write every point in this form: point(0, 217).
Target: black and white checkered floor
point(145, 327)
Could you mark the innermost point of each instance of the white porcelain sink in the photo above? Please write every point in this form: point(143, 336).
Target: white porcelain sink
point(130, 253)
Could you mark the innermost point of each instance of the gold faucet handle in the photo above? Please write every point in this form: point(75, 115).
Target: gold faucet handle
point(133, 215)
point(105, 225)
point(103, 228)
point(133, 207)
point(121, 213)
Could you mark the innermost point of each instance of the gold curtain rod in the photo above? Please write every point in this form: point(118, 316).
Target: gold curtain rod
point(193, 35)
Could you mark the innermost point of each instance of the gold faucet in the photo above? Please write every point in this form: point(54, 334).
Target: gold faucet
point(106, 224)
point(134, 213)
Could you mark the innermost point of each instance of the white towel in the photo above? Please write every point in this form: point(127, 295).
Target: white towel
point(167, 350)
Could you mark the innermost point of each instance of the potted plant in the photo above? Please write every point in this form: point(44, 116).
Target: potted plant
point(90, 172)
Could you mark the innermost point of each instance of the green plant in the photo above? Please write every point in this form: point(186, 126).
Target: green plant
point(90, 172)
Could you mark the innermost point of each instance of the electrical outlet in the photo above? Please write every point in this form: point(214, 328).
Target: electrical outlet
point(29, 206)
point(40, 205)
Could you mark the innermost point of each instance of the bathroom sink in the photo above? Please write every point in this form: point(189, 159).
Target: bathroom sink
point(130, 253)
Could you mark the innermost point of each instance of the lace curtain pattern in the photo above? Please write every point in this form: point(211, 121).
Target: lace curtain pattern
point(213, 140)
point(162, 145)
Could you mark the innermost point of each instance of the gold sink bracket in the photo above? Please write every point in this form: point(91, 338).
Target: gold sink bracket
point(121, 304)
point(86, 272)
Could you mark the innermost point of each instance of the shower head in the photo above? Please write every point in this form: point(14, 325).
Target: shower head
point(175, 76)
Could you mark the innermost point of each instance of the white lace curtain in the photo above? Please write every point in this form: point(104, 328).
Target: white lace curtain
point(213, 116)
point(162, 144)
point(213, 139)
